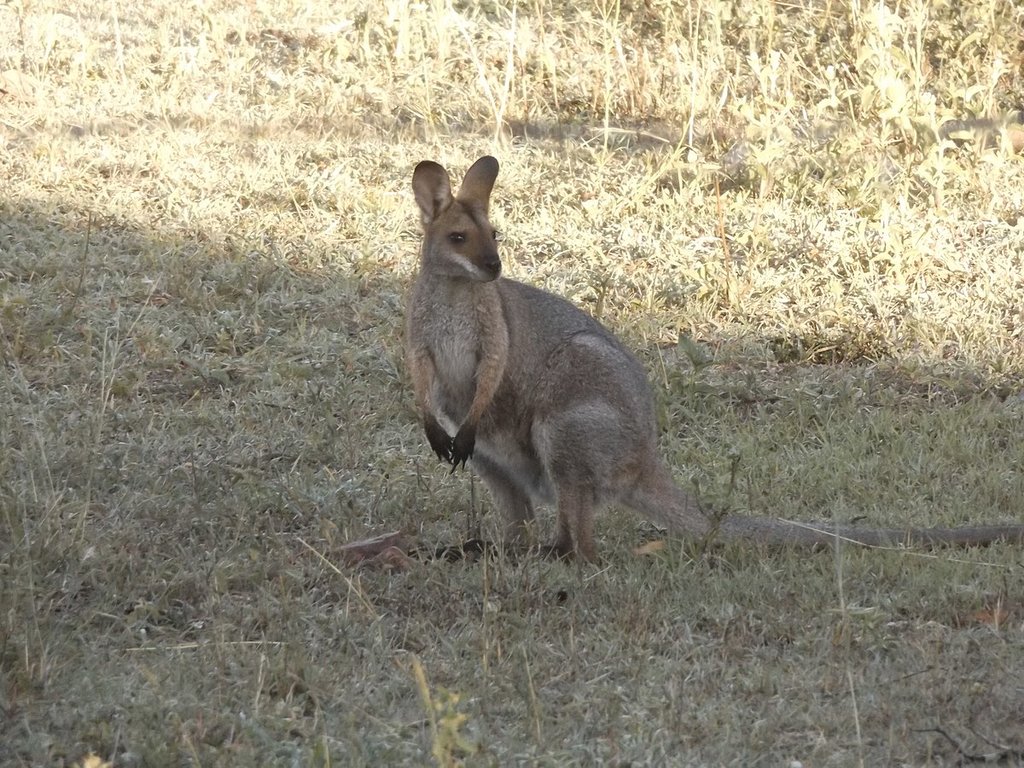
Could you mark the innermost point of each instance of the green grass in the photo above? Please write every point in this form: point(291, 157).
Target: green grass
point(206, 234)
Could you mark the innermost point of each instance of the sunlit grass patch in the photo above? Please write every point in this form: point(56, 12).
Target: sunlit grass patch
point(206, 234)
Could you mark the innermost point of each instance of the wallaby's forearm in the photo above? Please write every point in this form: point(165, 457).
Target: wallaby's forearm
point(421, 365)
point(489, 372)
point(493, 356)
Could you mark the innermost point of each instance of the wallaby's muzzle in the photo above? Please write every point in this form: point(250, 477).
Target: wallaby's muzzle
point(490, 263)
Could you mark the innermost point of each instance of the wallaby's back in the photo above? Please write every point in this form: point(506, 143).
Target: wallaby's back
point(559, 357)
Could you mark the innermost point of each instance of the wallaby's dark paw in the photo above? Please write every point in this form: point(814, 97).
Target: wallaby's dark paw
point(438, 439)
point(462, 445)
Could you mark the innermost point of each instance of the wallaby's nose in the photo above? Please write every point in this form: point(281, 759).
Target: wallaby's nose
point(490, 262)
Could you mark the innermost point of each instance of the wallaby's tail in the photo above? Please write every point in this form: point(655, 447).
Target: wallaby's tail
point(658, 498)
point(773, 530)
point(661, 500)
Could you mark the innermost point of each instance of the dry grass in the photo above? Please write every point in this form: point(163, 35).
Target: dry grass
point(206, 231)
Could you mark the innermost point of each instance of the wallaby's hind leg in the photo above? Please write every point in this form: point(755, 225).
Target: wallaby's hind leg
point(576, 521)
point(562, 544)
point(512, 501)
point(585, 465)
point(593, 431)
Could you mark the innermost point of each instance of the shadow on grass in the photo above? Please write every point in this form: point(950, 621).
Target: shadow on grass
point(186, 417)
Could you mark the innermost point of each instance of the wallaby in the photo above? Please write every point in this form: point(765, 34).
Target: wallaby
point(546, 403)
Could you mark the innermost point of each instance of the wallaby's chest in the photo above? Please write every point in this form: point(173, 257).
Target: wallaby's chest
point(456, 352)
point(452, 333)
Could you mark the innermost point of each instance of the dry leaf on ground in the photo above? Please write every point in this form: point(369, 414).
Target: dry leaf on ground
point(386, 550)
point(650, 547)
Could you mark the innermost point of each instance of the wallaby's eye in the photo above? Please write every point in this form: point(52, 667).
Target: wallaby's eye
point(457, 237)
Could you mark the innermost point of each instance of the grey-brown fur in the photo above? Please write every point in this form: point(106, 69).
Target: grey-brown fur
point(546, 403)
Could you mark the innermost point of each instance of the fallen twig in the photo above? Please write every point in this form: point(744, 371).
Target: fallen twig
point(1004, 752)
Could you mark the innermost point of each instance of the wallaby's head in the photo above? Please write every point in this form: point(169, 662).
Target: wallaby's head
point(458, 239)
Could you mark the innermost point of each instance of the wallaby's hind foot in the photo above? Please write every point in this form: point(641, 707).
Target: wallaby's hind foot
point(555, 552)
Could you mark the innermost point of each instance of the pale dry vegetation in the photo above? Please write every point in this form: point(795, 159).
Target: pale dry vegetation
point(206, 230)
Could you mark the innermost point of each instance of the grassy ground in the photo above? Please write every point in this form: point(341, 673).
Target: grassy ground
point(206, 232)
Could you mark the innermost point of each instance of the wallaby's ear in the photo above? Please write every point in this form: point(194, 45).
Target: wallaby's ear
point(432, 188)
point(476, 187)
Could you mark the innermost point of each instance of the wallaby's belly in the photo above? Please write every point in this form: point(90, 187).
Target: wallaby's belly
point(455, 383)
point(502, 439)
